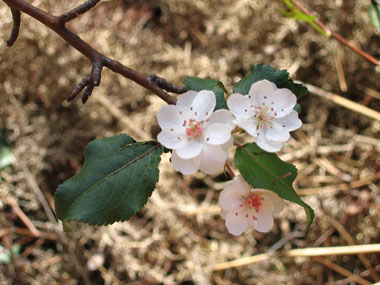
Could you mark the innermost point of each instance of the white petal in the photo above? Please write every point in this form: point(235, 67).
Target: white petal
point(217, 134)
point(261, 89)
point(213, 158)
point(248, 124)
point(289, 122)
point(223, 213)
point(240, 186)
point(239, 105)
point(277, 133)
point(172, 139)
point(186, 99)
point(277, 203)
point(190, 149)
point(237, 222)
point(170, 116)
point(228, 144)
point(185, 166)
point(284, 102)
point(203, 105)
point(229, 199)
point(264, 222)
point(265, 144)
point(221, 116)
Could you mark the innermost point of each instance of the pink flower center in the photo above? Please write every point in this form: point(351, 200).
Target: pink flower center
point(253, 201)
point(263, 118)
point(194, 129)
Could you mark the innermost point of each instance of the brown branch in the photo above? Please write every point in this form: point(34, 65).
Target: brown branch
point(97, 59)
point(164, 84)
point(16, 15)
point(336, 35)
point(81, 9)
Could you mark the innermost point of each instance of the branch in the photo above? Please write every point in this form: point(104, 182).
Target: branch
point(98, 60)
point(16, 15)
point(336, 35)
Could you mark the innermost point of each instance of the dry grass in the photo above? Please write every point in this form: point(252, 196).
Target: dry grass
point(179, 236)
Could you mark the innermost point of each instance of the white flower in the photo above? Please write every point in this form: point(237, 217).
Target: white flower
point(243, 207)
point(198, 136)
point(266, 114)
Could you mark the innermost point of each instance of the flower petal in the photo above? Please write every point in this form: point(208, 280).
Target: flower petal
point(277, 133)
point(213, 158)
point(237, 222)
point(248, 124)
point(203, 105)
point(217, 134)
point(186, 99)
point(259, 90)
point(289, 122)
point(170, 116)
point(185, 166)
point(172, 139)
point(267, 145)
point(229, 199)
point(278, 204)
point(239, 105)
point(240, 186)
point(221, 116)
point(264, 222)
point(190, 149)
point(284, 102)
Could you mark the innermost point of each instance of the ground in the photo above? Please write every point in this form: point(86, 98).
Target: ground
point(179, 235)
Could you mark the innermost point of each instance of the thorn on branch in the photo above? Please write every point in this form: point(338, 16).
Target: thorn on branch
point(165, 85)
point(81, 9)
point(16, 15)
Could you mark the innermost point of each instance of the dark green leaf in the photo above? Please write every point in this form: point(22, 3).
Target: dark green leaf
point(115, 182)
point(265, 170)
point(198, 84)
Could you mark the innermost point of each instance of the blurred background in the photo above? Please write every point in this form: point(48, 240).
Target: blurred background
point(179, 235)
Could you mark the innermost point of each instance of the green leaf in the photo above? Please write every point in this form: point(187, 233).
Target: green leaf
point(6, 156)
point(298, 15)
point(278, 77)
point(115, 182)
point(265, 170)
point(198, 84)
point(374, 15)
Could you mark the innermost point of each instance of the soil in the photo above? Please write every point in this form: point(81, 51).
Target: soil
point(179, 235)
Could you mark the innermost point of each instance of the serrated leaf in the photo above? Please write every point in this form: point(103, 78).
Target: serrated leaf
point(265, 170)
point(198, 84)
point(115, 182)
point(374, 15)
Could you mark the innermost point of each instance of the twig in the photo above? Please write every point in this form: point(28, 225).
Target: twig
point(336, 35)
point(164, 84)
point(344, 102)
point(339, 187)
point(340, 228)
point(25, 219)
point(81, 9)
point(16, 15)
point(97, 59)
point(306, 252)
point(229, 169)
point(341, 270)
